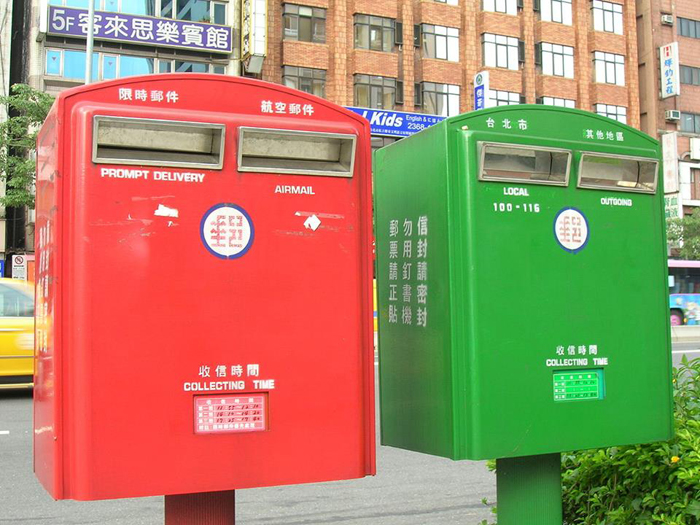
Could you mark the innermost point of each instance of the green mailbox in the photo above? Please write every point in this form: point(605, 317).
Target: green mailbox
point(521, 268)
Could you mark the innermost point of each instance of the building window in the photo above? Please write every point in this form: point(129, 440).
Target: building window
point(690, 122)
point(558, 11)
point(694, 183)
point(503, 98)
point(509, 7)
point(182, 66)
point(618, 113)
point(448, 2)
point(607, 17)
point(556, 60)
point(193, 10)
point(689, 28)
point(133, 7)
point(440, 99)
point(375, 92)
point(305, 79)
point(440, 42)
point(307, 24)
point(374, 32)
point(609, 68)
point(500, 51)
point(559, 102)
point(690, 75)
point(69, 64)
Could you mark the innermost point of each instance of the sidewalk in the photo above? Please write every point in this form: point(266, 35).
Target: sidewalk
point(685, 334)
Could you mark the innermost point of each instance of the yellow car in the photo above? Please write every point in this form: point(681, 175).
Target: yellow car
point(16, 333)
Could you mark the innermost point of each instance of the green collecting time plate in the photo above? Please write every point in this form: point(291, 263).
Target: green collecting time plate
point(578, 385)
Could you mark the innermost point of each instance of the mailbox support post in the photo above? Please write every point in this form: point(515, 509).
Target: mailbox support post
point(529, 490)
point(205, 508)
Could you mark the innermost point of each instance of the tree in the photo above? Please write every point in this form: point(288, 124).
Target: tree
point(684, 235)
point(27, 109)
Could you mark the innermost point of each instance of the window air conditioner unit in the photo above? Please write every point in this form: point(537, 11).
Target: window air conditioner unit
point(667, 20)
point(673, 114)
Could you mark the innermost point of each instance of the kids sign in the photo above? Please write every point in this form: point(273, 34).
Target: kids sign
point(396, 123)
point(136, 29)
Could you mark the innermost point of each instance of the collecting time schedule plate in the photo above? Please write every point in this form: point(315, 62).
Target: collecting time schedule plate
point(222, 414)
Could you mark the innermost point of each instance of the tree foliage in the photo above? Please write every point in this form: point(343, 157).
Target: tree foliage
point(27, 109)
point(684, 235)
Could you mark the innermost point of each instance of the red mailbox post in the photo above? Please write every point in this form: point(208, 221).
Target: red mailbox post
point(204, 310)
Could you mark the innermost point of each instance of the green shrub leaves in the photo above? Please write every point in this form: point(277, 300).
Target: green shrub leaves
point(641, 484)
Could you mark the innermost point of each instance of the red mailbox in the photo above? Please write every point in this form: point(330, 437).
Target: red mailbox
point(204, 308)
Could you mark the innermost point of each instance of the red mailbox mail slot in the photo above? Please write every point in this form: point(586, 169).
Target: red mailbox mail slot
point(204, 312)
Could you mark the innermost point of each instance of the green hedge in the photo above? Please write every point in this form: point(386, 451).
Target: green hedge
point(652, 483)
point(641, 484)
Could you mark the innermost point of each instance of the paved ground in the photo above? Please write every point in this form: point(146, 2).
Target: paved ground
point(410, 489)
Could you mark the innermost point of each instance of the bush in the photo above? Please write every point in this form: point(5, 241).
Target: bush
point(641, 484)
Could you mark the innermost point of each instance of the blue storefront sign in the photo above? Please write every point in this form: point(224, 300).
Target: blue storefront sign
point(136, 29)
point(396, 123)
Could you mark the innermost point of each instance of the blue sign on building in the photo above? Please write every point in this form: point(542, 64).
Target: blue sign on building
point(481, 87)
point(136, 29)
point(396, 123)
point(479, 97)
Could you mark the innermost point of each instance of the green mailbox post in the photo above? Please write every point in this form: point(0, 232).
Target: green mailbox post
point(521, 268)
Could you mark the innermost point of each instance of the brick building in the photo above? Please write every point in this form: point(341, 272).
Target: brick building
point(673, 118)
point(422, 55)
point(417, 56)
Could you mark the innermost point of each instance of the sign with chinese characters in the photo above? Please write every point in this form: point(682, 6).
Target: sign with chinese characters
point(217, 414)
point(144, 95)
point(599, 134)
point(284, 108)
point(219, 377)
point(571, 229)
point(669, 147)
point(507, 124)
point(577, 355)
point(396, 123)
point(19, 267)
point(227, 231)
point(138, 29)
point(408, 271)
point(670, 74)
point(481, 90)
point(253, 28)
point(673, 207)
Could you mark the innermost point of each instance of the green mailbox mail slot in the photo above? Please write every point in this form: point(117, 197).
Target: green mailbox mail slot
point(521, 268)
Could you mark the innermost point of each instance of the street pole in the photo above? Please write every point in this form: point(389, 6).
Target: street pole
point(90, 39)
point(529, 490)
